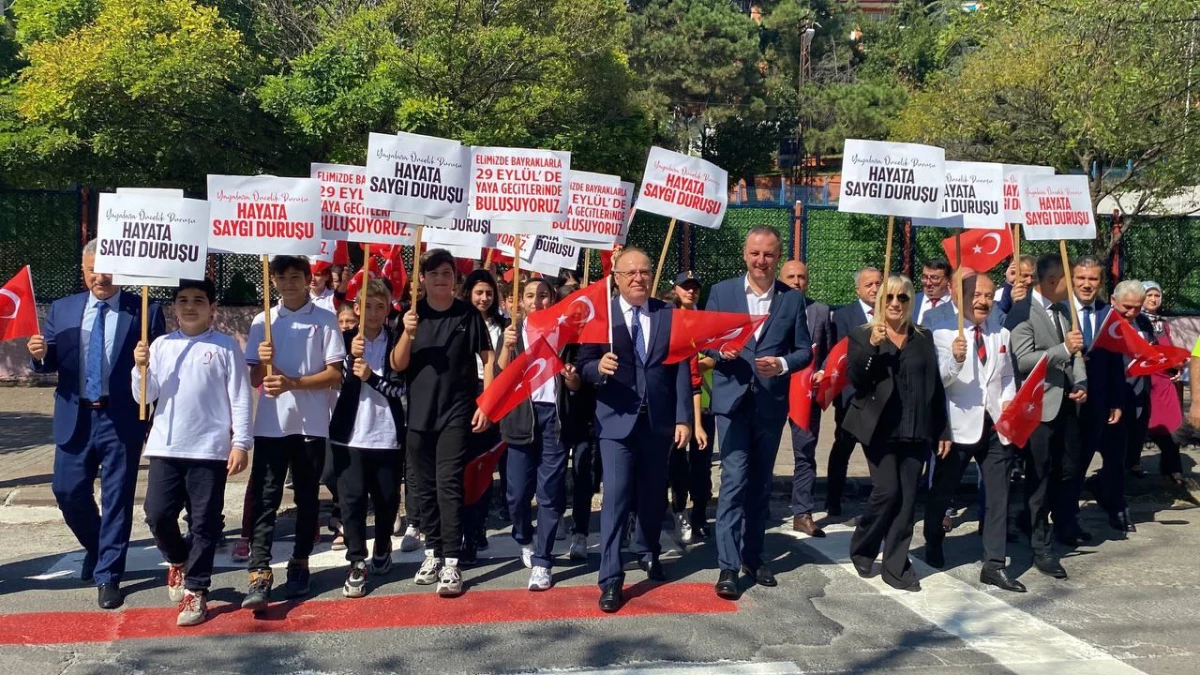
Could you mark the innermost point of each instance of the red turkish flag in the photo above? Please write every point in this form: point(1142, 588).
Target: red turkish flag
point(694, 330)
point(533, 368)
point(477, 476)
point(1023, 415)
point(800, 398)
point(18, 311)
point(1118, 336)
point(836, 378)
point(1165, 357)
point(982, 249)
point(606, 262)
point(580, 317)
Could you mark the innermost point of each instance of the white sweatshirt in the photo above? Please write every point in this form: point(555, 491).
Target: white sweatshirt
point(202, 387)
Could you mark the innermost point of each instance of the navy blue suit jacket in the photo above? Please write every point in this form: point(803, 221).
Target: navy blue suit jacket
point(784, 334)
point(846, 319)
point(1105, 372)
point(62, 332)
point(668, 387)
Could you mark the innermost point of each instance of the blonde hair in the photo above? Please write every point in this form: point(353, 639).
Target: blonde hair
point(895, 285)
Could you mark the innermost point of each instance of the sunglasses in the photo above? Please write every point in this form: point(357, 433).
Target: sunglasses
point(903, 298)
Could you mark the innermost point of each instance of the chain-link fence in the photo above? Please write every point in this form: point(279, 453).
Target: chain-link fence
point(41, 228)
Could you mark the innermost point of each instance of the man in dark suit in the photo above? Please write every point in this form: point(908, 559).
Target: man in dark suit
point(804, 441)
point(750, 401)
point(935, 289)
point(642, 407)
point(867, 282)
point(88, 341)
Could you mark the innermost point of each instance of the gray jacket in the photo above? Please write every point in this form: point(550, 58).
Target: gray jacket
point(1036, 336)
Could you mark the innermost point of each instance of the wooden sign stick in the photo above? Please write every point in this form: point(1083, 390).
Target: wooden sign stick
point(662, 256)
point(266, 265)
point(416, 268)
point(587, 267)
point(516, 289)
point(887, 255)
point(362, 291)
point(145, 340)
point(958, 281)
point(1062, 251)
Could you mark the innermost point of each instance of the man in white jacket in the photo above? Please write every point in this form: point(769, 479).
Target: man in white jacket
point(978, 375)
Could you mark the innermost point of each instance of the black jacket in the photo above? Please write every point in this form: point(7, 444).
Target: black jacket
point(391, 385)
point(517, 427)
point(873, 373)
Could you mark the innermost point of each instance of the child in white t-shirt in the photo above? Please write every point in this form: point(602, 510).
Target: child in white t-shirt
point(201, 434)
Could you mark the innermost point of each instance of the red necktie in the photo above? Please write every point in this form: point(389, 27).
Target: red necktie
point(980, 347)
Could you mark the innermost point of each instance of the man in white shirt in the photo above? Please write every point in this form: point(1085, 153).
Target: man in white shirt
point(200, 434)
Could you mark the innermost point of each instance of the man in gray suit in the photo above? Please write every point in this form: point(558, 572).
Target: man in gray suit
point(804, 441)
point(1047, 332)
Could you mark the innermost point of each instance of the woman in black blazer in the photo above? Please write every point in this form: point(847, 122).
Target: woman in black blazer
point(898, 408)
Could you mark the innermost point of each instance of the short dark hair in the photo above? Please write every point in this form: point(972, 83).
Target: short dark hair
point(1049, 264)
point(283, 263)
point(343, 306)
point(940, 264)
point(1087, 261)
point(206, 286)
point(435, 258)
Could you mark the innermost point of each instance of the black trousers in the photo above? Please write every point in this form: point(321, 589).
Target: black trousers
point(475, 516)
point(585, 482)
point(272, 457)
point(993, 459)
point(330, 481)
point(436, 460)
point(169, 485)
point(888, 520)
point(363, 474)
point(1053, 456)
point(690, 473)
point(839, 460)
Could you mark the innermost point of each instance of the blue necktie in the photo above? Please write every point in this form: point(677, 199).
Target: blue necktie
point(94, 383)
point(1087, 327)
point(635, 332)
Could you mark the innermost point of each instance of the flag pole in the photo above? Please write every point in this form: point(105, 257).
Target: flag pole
point(362, 291)
point(37, 322)
point(516, 285)
point(416, 268)
point(1062, 251)
point(587, 267)
point(958, 281)
point(266, 271)
point(1017, 248)
point(487, 259)
point(662, 256)
point(887, 255)
point(145, 339)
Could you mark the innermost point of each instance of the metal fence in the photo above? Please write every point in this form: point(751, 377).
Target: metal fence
point(47, 229)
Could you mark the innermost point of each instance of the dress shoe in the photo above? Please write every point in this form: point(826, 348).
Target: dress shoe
point(947, 523)
point(87, 574)
point(110, 596)
point(727, 585)
point(865, 570)
point(1121, 522)
point(1092, 485)
point(934, 557)
point(701, 532)
point(804, 523)
point(912, 587)
point(833, 510)
point(1076, 538)
point(653, 569)
point(611, 598)
point(762, 575)
point(999, 578)
point(1049, 566)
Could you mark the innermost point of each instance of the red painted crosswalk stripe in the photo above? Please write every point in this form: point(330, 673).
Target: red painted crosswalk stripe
point(405, 610)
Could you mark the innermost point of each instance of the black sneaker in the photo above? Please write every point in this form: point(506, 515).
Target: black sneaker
point(481, 540)
point(468, 557)
point(356, 581)
point(258, 593)
point(297, 585)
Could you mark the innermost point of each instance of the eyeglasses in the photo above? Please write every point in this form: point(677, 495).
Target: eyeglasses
point(933, 278)
point(903, 298)
point(635, 274)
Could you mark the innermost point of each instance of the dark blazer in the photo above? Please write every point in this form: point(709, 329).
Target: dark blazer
point(820, 329)
point(872, 374)
point(784, 334)
point(668, 387)
point(517, 427)
point(391, 384)
point(62, 332)
point(1138, 399)
point(1105, 372)
point(845, 320)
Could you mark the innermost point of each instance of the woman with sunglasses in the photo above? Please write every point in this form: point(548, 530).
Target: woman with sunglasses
point(897, 410)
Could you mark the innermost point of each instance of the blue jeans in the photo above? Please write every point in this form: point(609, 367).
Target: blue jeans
point(542, 467)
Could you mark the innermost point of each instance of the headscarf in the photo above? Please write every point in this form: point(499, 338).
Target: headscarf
point(1156, 319)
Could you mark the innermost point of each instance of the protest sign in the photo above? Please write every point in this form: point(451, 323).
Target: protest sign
point(1013, 188)
point(505, 244)
point(460, 232)
point(598, 210)
point(553, 252)
point(264, 215)
point(417, 176)
point(972, 197)
point(892, 179)
point(684, 188)
point(461, 252)
point(345, 215)
point(521, 190)
point(331, 253)
point(139, 279)
point(1058, 207)
point(152, 236)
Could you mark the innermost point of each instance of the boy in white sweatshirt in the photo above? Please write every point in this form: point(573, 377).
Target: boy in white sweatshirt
point(200, 434)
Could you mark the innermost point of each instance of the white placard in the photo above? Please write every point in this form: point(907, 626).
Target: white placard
point(972, 197)
point(151, 192)
point(264, 215)
point(1058, 207)
point(892, 179)
point(519, 184)
point(593, 245)
point(131, 280)
point(543, 268)
point(463, 252)
point(1013, 188)
point(461, 232)
point(417, 176)
point(152, 236)
point(505, 242)
point(685, 188)
point(598, 211)
point(552, 251)
point(344, 214)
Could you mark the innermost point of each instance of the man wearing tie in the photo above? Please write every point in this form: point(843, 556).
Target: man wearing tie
point(1054, 444)
point(749, 399)
point(804, 441)
point(867, 282)
point(935, 285)
point(978, 375)
point(642, 407)
point(88, 341)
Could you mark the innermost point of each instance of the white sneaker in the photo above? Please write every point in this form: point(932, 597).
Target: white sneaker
point(527, 557)
point(175, 577)
point(579, 547)
point(428, 574)
point(450, 581)
point(356, 581)
point(193, 608)
point(683, 529)
point(411, 540)
point(539, 579)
